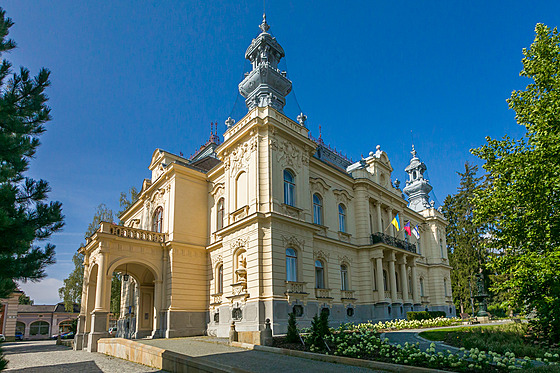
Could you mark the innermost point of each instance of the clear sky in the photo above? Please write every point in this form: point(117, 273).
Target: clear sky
point(132, 76)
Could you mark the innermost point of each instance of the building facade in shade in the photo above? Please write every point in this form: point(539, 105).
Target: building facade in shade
point(270, 221)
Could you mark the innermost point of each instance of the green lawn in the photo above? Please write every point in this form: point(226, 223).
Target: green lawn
point(498, 338)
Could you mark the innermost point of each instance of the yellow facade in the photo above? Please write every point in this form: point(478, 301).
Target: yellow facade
point(269, 222)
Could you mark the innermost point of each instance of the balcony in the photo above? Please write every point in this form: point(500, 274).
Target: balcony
point(323, 293)
point(216, 299)
point(347, 295)
point(392, 241)
point(293, 287)
point(133, 233)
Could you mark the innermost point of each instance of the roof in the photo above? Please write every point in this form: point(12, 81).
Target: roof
point(45, 308)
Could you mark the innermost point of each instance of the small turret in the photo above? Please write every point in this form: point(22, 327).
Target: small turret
point(417, 188)
point(265, 85)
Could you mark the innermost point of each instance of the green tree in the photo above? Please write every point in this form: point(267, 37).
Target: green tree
point(24, 299)
point(464, 238)
point(71, 291)
point(125, 202)
point(292, 335)
point(26, 217)
point(522, 200)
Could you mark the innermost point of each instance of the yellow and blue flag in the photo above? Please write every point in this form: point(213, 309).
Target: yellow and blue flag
point(395, 222)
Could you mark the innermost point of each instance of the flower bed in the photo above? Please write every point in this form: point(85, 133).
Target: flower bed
point(405, 324)
point(362, 341)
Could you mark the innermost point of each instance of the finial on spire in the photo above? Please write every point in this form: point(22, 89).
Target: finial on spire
point(264, 26)
point(301, 118)
point(413, 152)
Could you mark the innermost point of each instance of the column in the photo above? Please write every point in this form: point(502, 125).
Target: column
point(404, 279)
point(157, 308)
point(99, 316)
point(379, 224)
point(379, 278)
point(415, 298)
point(392, 277)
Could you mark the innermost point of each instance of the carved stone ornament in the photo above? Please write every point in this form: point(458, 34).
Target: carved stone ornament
point(217, 190)
point(238, 158)
point(288, 154)
point(319, 185)
point(344, 259)
point(238, 244)
point(293, 241)
point(157, 196)
point(320, 254)
point(217, 259)
point(342, 196)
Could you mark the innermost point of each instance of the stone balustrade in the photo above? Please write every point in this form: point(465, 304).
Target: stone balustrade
point(387, 295)
point(295, 287)
point(133, 233)
point(216, 299)
point(323, 293)
point(347, 294)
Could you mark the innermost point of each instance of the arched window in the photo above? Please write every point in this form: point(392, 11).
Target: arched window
point(220, 279)
point(289, 188)
point(20, 327)
point(220, 215)
point(341, 218)
point(319, 275)
point(291, 265)
point(421, 286)
point(241, 190)
point(445, 286)
point(157, 225)
point(385, 283)
point(39, 328)
point(344, 277)
point(317, 209)
point(65, 326)
point(397, 281)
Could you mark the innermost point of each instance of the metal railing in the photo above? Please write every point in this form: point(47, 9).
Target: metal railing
point(392, 241)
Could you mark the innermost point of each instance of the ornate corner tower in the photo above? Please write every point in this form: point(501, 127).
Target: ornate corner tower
point(417, 188)
point(265, 85)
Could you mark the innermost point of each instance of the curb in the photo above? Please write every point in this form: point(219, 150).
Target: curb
point(370, 364)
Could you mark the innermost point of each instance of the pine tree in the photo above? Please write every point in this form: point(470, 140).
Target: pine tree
point(26, 218)
point(464, 237)
point(292, 335)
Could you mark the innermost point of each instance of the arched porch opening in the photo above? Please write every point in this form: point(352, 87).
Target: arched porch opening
point(140, 301)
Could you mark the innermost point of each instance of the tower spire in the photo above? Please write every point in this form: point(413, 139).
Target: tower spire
point(417, 188)
point(265, 85)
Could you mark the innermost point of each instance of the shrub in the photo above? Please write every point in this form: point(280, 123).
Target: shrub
point(424, 315)
point(292, 334)
point(318, 331)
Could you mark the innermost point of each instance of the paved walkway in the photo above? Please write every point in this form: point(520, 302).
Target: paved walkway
point(217, 350)
point(47, 357)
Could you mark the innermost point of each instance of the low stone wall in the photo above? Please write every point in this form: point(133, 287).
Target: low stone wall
point(158, 358)
point(132, 351)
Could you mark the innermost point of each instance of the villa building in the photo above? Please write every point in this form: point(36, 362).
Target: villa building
point(268, 222)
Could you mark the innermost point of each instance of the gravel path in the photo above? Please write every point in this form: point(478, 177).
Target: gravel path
point(212, 349)
point(47, 357)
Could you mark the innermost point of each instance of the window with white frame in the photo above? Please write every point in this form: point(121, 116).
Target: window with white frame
point(317, 209)
point(319, 275)
point(342, 218)
point(289, 188)
point(157, 223)
point(291, 265)
point(344, 277)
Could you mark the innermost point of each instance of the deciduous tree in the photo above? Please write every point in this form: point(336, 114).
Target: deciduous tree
point(522, 200)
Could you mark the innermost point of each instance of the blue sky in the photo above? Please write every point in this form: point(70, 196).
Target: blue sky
point(132, 76)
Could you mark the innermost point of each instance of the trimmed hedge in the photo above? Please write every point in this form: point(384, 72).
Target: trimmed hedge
point(424, 315)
